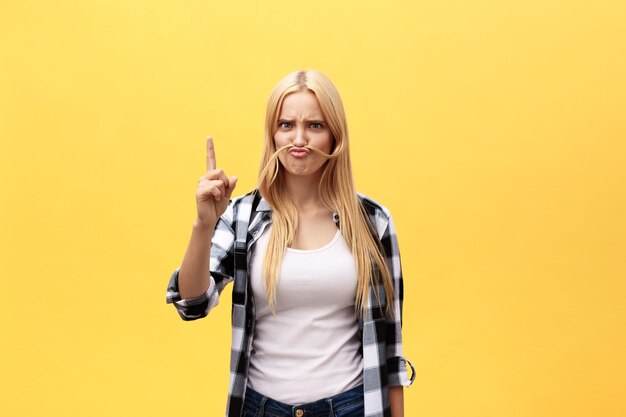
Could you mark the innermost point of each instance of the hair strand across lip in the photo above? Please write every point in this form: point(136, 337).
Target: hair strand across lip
point(288, 148)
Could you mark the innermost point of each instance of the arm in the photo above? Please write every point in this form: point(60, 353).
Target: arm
point(195, 286)
point(193, 276)
point(396, 399)
point(396, 363)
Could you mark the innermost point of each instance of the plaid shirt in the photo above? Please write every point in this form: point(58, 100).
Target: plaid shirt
point(235, 233)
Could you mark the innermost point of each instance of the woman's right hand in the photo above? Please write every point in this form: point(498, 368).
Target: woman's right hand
point(214, 190)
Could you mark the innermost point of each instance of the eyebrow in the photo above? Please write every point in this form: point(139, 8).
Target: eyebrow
point(310, 121)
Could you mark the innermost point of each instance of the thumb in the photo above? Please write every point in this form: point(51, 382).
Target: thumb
point(232, 182)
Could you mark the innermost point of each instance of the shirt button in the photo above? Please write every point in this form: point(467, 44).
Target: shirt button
point(299, 413)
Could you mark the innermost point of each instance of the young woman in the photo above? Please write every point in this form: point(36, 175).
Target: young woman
point(315, 266)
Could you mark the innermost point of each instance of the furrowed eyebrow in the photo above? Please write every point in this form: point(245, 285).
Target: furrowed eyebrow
point(291, 121)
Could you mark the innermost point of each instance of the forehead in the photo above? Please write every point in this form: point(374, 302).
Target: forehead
point(301, 103)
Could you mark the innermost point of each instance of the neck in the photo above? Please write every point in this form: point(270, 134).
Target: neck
point(304, 191)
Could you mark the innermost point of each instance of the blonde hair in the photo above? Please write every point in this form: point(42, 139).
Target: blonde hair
point(336, 190)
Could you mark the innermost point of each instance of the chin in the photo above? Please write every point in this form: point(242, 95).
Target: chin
point(301, 171)
point(298, 172)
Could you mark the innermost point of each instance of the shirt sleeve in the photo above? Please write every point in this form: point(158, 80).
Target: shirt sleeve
point(221, 268)
point(396, 363)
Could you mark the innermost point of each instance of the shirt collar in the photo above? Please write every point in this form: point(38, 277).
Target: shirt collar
point(264, 206)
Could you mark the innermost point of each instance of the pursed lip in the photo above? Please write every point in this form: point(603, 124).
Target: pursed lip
point(299, 152)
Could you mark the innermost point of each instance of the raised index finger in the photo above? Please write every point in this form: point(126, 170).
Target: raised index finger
point(211, 163)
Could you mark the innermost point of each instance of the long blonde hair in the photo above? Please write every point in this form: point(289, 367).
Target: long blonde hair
point(336, 189)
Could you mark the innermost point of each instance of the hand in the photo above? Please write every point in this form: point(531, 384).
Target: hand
point(214, 190)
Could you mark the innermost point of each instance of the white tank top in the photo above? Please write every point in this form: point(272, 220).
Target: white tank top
point(310, 348)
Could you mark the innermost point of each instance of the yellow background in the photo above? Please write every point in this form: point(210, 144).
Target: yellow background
point(493, 130)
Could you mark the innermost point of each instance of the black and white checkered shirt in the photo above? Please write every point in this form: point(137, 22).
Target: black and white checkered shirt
point(235, 233)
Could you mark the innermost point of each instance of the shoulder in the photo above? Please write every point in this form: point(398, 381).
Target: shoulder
point(244, 198)
point(240, 207)
point(248, 205)
point(373, 207)
point(379, 215)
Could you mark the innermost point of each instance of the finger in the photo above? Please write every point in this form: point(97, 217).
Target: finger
point(220, 175)
point(208, 183)
point(221, 188)
point(219, 184)
point(214, 188)
point(217, 193)
point(232, 182)
point(216, 184)
point(215, 174)
point(211, 163)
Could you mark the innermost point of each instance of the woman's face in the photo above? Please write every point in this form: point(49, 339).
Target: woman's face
point(301, 122)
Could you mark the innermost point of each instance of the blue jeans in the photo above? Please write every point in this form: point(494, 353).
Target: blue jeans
point(346, 404)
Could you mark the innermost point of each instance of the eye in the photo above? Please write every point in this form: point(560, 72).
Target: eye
point(284, 125)
point(316, 125)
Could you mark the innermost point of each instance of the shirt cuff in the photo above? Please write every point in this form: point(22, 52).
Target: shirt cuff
point(398, 375)
point(194, 301)
point(191, 308)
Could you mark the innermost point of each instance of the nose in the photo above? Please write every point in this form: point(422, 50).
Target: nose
point(300, 137)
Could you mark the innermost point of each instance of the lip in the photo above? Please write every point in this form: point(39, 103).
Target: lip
point(299, 153)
